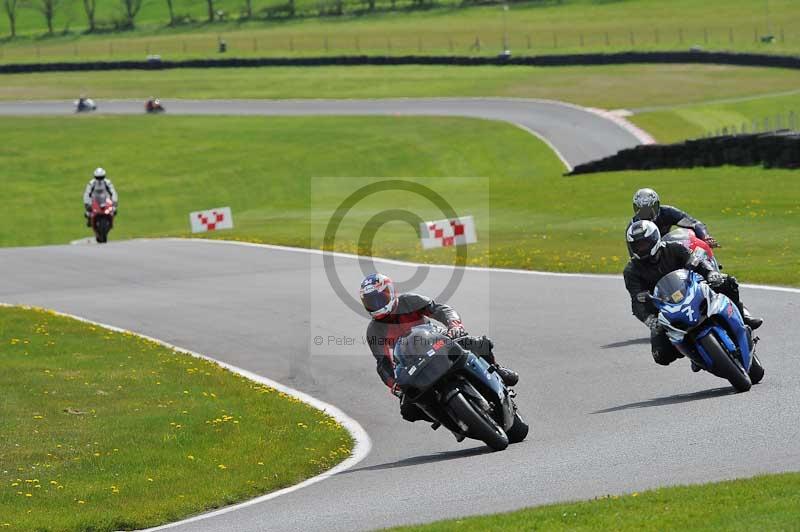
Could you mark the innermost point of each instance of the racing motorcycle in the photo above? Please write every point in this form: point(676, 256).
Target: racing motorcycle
point(697, 246)
point(84, 105)
point(154, 105)
point(101, 217)
point(707, 327)
point(456, 388)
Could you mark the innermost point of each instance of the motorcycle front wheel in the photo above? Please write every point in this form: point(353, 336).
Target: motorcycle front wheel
point(102, 227)
point(481, 426)
point(724, 366)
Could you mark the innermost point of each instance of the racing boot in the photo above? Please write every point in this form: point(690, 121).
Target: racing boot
point(750, 320)
point(510, 378)
point(695, 367)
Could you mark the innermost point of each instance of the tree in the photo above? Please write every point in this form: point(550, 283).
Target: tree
point(89, 7)
point(210, 4)
point(48, 9)
point(131, 9)
point(10, 7)
point(171, 9)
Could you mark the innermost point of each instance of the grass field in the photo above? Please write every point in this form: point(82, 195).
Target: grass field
point(107, 431)
point(759, 503)
point(166, 166)
point(610, 87)
point(533, 28)
point(676, 123)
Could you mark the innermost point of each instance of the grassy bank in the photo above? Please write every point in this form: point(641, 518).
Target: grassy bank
point(107, 431)
point(760, 503)
point(262, 168)
point(532, 28)
point(610, 87)
point(759, 113)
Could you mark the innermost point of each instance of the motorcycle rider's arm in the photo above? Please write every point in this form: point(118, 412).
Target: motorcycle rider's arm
point(383, 364)
point(695, 263)
point(87, 193)
point(112, 191)
point(683, 219)
point(635, 285)
point(440, 312)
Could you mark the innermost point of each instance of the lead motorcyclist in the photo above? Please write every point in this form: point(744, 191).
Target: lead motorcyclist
point(394, 315)
point(98, 183)
point(651, 259)
point(647, 206)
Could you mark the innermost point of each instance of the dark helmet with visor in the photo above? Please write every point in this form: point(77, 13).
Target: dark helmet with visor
point(646, 204)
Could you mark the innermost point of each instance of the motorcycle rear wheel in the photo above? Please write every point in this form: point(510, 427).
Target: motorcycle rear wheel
point(481, 427)
point(724, 364)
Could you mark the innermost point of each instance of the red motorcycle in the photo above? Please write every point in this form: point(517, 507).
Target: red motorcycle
point(101, 217)
point(697, 246)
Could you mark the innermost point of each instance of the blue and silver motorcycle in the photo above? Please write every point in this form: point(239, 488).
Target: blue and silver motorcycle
point(456, 388)
point(707, 327)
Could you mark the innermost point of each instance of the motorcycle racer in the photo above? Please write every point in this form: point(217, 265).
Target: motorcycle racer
point(647, 206)
point(651, 259)
point(98, 183)
point(394, 315)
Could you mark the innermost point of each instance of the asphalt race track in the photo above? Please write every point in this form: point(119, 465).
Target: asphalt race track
point(605, 418)
point(577, 134)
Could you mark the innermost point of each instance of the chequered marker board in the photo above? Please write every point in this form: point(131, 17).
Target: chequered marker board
point(211, 220)
point(449, 232)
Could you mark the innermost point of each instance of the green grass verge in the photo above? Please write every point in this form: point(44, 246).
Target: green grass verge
point(610, 87)
point(673, 124)
point(262, 168)
point(108, 431)
point(769, 502)
point(533, 28)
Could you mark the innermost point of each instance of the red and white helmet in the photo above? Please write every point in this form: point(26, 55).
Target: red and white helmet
point(378, 295)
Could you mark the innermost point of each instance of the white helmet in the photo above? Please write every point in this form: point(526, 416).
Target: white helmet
point(644, 240)
point(99, 173)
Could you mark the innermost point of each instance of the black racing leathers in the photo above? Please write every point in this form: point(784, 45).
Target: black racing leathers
point(642, 276)
point(669, 216)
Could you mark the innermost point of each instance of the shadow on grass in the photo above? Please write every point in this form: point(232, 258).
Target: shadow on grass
point(672, 399)
point(424, 459)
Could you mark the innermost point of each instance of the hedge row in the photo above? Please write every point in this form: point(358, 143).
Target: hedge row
point(724, 58)
point(778, 149)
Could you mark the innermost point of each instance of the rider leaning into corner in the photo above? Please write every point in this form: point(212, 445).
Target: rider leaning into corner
point(651, 259)
point(394, 315)
point(98, 183)
point(647, 206)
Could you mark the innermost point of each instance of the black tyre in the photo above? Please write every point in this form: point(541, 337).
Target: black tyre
point(756, 370)
point(724, 366)
point(481, 426)
point(101, 231)
point(519, 430)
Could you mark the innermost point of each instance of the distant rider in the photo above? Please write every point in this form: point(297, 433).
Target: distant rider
point(651, 259)
point(394, 315)
point(98, 183)
point(647, 206)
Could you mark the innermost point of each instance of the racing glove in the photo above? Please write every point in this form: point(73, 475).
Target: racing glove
point(715, 279)
point(396, 391)
point(456, 330)
point(652, 323)
point(712, 242)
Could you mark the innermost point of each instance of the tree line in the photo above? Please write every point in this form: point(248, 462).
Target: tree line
point(129, 10)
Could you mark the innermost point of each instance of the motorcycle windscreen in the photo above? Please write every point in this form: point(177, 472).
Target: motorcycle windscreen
point(679, 234)
point(673, 287)
point(422, 359)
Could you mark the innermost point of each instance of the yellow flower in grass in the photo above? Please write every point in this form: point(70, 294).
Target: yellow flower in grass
point(222, 466)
